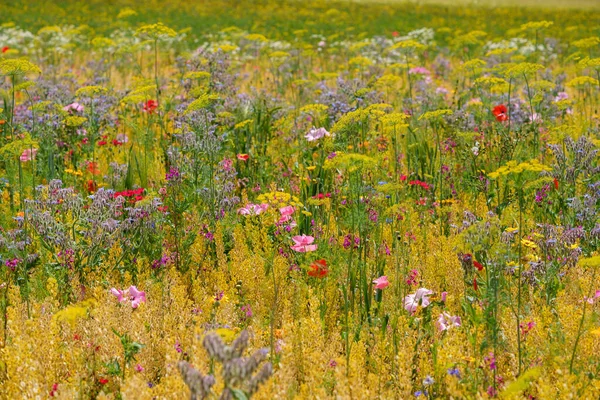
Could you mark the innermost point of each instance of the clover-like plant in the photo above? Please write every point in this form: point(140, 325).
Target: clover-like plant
point(239, 378)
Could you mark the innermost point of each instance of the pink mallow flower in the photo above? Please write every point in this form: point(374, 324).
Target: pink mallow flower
point(420, 298)
point(286, 216)
point(303, 244)
point(135, 296)
point(447, 321)
point(119, 294)
point(592, 299)
point(253, 209)
point(316, 134)
point(28, 155)
point(381, 282)
point(76, 107)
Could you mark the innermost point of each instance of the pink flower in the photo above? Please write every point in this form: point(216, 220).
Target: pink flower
point(381, 282)
point(287, 211)
point(419, 71)
point(119, 294)
point(76, 107)
point(286, 216)
point(447, 321)
point(316, 134)
point(303, 244)
point(444, 295)
point(253, 209)
point(136, 296)
point(139, 368)
point(420, 298)
point(28, 155)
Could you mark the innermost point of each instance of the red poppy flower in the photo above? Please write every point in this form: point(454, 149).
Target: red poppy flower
point(500, 113)
point(102, 143)
point(115, 142)
point(555, 183)
point(150, 106)
point(475, 286)
point(5, 49)
point(395, 34)
point(318, 269)
point(478, 265)
point(91, 186)
point(103, 381)
point(243, 157)
point(93, 167)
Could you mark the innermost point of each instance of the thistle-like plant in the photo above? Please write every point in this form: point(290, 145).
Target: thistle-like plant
point(239, 379)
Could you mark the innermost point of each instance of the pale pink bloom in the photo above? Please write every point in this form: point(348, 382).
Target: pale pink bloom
point(381, 282)
point(253, 209)
point(119, 294)
point(136, 296)
point(447, 321)
point(591, 300)
point(303, 244)
point(561, 96)
point(419, 70)
point(28, 155)
point(316, 134)
point(74, 107)
point(420, 298)
point(535, 117)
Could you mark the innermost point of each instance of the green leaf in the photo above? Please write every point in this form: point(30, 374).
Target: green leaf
point(239, 394)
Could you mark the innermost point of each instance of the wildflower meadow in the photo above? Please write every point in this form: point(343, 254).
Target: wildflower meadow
point(279, 199)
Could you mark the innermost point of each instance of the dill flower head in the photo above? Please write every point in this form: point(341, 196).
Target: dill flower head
point(155, 31)
point(19, 66)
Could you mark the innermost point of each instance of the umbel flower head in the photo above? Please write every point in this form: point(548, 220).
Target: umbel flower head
point(155, 31)
point(19, 66)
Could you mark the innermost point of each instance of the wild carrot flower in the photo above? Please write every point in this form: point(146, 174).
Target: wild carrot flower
point(303, 244)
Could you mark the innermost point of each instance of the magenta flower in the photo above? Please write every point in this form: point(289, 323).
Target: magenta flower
point(28, 155)
point(420, 298)
point(381, 282)
point(316, 134)
point(253, 209)
point(303, 244)
point(447, 321)
point(136, 296)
